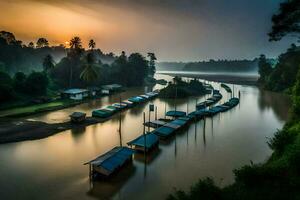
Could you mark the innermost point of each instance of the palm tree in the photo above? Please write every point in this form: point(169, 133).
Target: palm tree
point(75, 43)
point(74, 55)
point(48, 63)
point(89, 73)
point(92, 44)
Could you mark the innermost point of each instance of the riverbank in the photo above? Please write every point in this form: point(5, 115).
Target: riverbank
point(28, 110)
point(22, 130)
point(242, 79)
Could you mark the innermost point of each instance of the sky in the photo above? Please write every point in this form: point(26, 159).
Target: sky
point(175, 30)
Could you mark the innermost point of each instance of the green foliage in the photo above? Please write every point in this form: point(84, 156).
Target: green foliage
point(182, 89)
point(204, 188)
point(152, 60)
point(264, 68)
point(48, 63)
point(19, 82)
point(286, 21)
point(280, 140)
point(283, 75)
point(36, 83)
point(6, 89)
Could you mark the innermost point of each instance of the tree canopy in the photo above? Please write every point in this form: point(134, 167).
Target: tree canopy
point(287, 21)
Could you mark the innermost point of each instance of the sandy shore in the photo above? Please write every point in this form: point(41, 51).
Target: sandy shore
point(21, 130)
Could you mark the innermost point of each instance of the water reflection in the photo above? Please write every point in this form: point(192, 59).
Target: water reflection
point(277, 102)
point(112, 187)
point(52, 168)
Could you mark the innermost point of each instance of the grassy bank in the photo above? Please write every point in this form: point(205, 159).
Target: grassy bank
point(21, 111)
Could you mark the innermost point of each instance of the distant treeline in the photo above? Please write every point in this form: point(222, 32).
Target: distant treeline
point(31, 70)
point(170, 66)
point(15, 56)
point(223, 66)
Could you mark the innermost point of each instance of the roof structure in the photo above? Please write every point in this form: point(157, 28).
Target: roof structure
point(112, 159)
point(151, 140)
point(75, 91)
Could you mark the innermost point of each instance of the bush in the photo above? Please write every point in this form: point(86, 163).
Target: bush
point(205, 188)
point(6, 90)
point(280, 140)
point(36, 83)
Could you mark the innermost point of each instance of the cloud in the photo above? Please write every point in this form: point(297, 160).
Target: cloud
point(174, 29)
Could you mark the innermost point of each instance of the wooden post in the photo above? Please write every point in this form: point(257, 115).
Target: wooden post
point(144, 134)
point(175, 99)
point(187, 107)
point(149, 120)
point(120, 125)
point(165, 109)
point(155, 112)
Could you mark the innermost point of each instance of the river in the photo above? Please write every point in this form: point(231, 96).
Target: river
point(52, 168)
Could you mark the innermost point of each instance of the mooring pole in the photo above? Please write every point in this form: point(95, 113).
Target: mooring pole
point(187, 107)
point(144, 134)
point(175, 99)
point(165, 109)
point(149, 121)
point(120, 123)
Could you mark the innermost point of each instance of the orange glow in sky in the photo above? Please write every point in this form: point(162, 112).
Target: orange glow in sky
point(175, 30)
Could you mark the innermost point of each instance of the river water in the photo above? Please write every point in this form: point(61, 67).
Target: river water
point(52, 168)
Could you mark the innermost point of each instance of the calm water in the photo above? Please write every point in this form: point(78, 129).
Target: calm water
point(52, 168)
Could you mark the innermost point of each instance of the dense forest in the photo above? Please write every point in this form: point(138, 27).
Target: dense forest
point(56, 68)
point(15, 56)
point(281, 76)
point(223, 66)
point(279, 177)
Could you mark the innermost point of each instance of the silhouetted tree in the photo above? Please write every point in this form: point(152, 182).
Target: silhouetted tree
point(92, 44)
point(9, 37)
point(48, 63)
point(89, 73)
point(287, 21)
point(6, 89)
point(31, 45)
point(152, 60)
point(19, 82)
point(42, 42)
point(36, 83)
point(264, 68)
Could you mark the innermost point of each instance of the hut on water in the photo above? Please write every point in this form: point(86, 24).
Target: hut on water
point(145, 143)
point(174, 113)
point(110, 162)
point(77, 117)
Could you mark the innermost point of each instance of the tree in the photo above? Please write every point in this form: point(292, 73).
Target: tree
point(75, 43)
point(6, 89)
point(42, 42)
point(152, 58)
point(74, 55)
point(92, 44)
point(37, 83)
point(9, 37)
point(48, 63)
point(287, 21)
point(264, 68)
point(19, 81)
point(89, 73)
point(31, 45)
